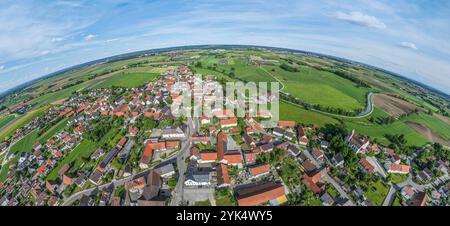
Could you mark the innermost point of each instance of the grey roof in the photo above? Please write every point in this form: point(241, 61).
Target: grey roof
point(200, 176)
point(165, 169)
point(327, 199)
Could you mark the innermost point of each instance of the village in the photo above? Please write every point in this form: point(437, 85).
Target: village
point(124, 146)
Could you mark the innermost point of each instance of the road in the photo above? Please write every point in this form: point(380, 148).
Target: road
point(183, 151)
point(390, 196)
point(177, 194)
point(377, 165)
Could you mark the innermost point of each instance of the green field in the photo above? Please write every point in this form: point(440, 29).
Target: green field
point(52, 131)
point(74, 157)
point(5, 120)
point(294, 113)
point(430, 121)
point(23, 121)
point(128, 80)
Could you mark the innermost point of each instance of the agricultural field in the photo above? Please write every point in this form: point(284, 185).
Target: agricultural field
point(128, 80)
point(292, 112)
point(21, 121)
point(5, 120)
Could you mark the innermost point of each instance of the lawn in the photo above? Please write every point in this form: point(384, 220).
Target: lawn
point(52, 131)
point(129, 80)
point(75, 157)
point(398, 178)
point(23, 145)
point(202, 203)
point(292, 112)
point(5, 120)
point(377, 192)
point(28, 117)
point(224, 198)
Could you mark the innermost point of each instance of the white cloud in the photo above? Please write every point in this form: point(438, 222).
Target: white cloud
point(89, 37)
point(45, 52)
point(2, 67)
point(57, 39)
point(408, 45)
point(361, 19)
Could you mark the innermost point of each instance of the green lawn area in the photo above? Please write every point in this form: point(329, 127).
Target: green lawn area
point(56, 128)
point(60, 94)
point(398, 178)
point(128, 80)
point(332, 192)
point(202, 203)
point(436, 125)
point(23, 121)
point(4, 172)
point(5, 120)
point(75, 157)
point(224, 198)
point(320, 87)
point(376, 192)
point(396, 201)
point(292, 112)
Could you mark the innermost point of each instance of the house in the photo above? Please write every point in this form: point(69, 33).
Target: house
point(301, 136)
point(311, 181)
point(80, 181)
point(420, 199)
point(226, 123)
point(260, 193)
point(366, 166)
point(208, 156)
point(407, 192)
point(133, 131)
point(324, 144)
point(135, 185)
point(249, 141)
point(396, 168)
point(337, 160)
point(425, 175)
point(326, 199)
point(317, 154)
point(279, 132)
point(198, 178)
point(258, 171)
point(233, 157)
point(146, 156)
point(86, 201)
point(286, 124)
point(293, 150)
point(357, 143)
point(266, 147)
point(166, 171)
point(95, 177)
point(172, 133)
point(223, 179)
point(250, 157)
point(63, 169)
point(205, 120)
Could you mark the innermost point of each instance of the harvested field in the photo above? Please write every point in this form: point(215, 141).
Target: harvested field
point(426, 132)
point(393, 106)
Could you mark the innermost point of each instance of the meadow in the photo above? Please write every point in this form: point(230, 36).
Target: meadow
point(129, 80)
point(5, 120)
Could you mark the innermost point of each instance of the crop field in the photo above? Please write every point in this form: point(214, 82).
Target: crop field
point(74, 157)
point(291, 112)
point(9, 130)
point(5, 120)
point(436, 125)
point(128, 80)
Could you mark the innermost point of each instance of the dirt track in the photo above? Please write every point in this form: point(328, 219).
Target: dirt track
point(393, 106)
point(430, 135)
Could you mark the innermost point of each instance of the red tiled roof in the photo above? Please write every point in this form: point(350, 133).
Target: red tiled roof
point(233, 157)
point(222, 174)
point(258, 170)
point(286, 123)
point(259, 194)
point(208, 156)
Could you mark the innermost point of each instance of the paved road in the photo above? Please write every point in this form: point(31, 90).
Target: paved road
point(177, 194)
point(390, 196)
point(377, 165)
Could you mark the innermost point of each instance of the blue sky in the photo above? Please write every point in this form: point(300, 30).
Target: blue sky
point(407, 37)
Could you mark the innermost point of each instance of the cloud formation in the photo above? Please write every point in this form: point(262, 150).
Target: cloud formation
point(408, 45)
point(89, 37)
point(361, 19)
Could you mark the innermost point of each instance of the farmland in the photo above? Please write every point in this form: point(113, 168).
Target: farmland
point(127, 80)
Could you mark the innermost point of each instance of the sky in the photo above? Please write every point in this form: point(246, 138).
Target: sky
point(411, 37)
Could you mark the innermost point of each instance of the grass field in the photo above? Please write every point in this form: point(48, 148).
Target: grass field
point(128, 80)
point(377, 192)
point(52, 131)
point(291, 112)
point(5, 120)
point(430, 121)
point(202, 203)
point(398, 178)
point(320, 87)
point(28, 117)
point(74, 157)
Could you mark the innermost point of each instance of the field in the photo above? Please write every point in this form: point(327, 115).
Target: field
point(432, 122)
point(28, 117)
point(128, 80)
point(5, 120)
point(75, 157)
point(294, 113)
point(393, 106)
